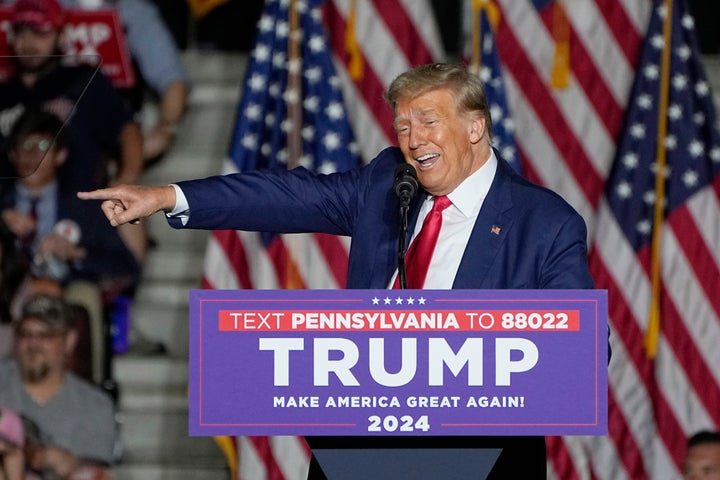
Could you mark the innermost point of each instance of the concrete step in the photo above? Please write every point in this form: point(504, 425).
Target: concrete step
point(162, 437)
point(167, 323)
point(152, 471)
point(170, 293)
point(133, 399)
point(151, 373)
point(210, 67)
point(181, 261)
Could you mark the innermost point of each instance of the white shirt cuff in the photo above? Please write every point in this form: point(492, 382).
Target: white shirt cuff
point(181, 209)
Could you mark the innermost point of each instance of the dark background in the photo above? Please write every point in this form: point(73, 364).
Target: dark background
point(231, 26)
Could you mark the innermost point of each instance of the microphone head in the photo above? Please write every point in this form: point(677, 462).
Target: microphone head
point(406, 182)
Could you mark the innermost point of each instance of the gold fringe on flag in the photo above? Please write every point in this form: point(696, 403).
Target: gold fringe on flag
point(493, 13)
point(652, 335)
point(229, 449)
point(293, 91)
point(200, 8)
point(560, 76)
point(356, 64)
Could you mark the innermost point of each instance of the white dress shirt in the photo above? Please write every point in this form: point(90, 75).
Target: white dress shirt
point(457, 225)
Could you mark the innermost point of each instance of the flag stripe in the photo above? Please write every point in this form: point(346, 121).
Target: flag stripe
point(408, 39)
point(332, 248)
point(370, 86)
point(624, 30)
point(531, 82)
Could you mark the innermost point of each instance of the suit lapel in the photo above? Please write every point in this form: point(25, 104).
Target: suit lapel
point(387, 248)
point(490, 232)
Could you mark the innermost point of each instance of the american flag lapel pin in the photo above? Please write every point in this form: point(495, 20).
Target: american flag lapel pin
point(496, 229)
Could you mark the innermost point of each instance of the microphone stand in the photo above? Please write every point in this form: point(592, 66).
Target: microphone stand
point(405, 187)
point(401, 244)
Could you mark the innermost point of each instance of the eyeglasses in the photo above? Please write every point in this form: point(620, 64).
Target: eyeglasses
point(41, 145)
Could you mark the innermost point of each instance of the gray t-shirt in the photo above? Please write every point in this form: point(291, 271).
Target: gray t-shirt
point(80, 418)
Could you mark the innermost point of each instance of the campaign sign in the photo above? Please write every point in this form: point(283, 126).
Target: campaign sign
point(89, 36)
point(398, 362)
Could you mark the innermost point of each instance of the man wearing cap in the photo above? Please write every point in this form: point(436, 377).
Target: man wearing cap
point(75, 420)
point(101, 121)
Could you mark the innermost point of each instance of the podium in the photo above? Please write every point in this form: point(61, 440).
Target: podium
point(400, 384)
point(415, 463)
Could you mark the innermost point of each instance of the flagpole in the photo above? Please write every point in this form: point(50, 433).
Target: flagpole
point(293, 93)
point(652, 334)
point(493, 13)
point(293, 97)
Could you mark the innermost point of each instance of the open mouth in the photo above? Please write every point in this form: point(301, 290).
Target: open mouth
point(427, 160)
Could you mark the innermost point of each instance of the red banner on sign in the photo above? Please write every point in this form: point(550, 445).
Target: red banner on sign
point(89, 36)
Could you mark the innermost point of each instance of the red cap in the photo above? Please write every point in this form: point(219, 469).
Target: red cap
point(43, 15)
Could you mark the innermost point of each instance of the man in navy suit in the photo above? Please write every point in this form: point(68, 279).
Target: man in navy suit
point(500, 230)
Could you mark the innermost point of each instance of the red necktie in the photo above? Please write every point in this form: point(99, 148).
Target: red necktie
point(421, 250)
point(27, 241)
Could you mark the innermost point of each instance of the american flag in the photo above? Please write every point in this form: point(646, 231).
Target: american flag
point(567, 141)
point(490, 71)
point(292, 113)
point(657, 402)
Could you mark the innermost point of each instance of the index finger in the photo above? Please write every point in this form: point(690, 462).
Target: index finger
point(99, 194)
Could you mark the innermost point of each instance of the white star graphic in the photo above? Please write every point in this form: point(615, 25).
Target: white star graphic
point(399, 301)
point(387, 300)
point(644, 227)
point(690, 178)
point(421, 300)
point(411, 301)
point(327, 167)
point(696, 148)
point(249, 141)
point(257, 82)
point(308, 133)
point(316, 44)
point(624, 190)
point(375, 300)
point(253, 111)
point(331, 141)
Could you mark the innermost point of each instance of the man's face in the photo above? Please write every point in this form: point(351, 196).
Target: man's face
point(444, 145)
point(35, 160)
point(39, 349)
point(702, 462)
point(34, 47)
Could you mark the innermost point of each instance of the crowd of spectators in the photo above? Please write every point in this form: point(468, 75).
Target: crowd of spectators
point(65, 127)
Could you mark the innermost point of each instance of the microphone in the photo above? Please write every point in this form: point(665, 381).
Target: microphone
point(405, 187)
point(406, 183)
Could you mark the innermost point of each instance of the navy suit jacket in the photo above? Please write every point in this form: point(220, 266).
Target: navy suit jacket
point(525, 236)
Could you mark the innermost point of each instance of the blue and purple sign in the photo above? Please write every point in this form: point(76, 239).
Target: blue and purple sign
point(398, 362)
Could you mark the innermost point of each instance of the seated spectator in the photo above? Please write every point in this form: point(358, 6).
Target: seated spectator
point(75, 421)
point(61, 239)
point(12, 442)
point(702, 458)
point(154, 52)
